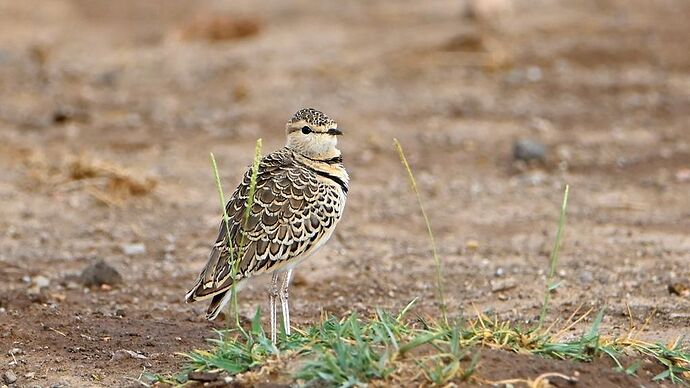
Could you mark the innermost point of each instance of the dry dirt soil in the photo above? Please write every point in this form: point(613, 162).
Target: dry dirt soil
point(108, 112)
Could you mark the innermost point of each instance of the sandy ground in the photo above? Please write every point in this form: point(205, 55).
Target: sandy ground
point(108, 112)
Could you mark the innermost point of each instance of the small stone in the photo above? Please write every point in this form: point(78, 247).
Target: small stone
point(683, 175)
point(528, 150)
point(15, 352)
point(99, 274)
point(133, 249)
point(123, 354)
point(586, 277)
point(679, 289)
point(472, 245)
point(9, 377)
point(500, 272)
point(203, 376)
point(536, 178)
point(534, 73)
point(72, 285)
point(40, 281)
point(503, 285)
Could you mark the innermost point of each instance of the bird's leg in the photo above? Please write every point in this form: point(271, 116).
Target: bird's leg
point(272, 293)
point(284, 301)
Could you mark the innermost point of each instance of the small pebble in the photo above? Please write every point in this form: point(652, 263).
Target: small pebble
point(472, 245)
point(123, 354)
point(203, 376)
point(536, 178)
point(41, 281)
point(534, 73)
point(503, 285)
point(133, 249)
point(9, 377)
point(683, 175)
point(99, 274)
point(586, 277)
point(679, 289)
point(528, 150)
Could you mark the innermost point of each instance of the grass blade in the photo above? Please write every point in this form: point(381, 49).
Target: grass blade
point(226, 220)
point(437, 260)
point(554, 258)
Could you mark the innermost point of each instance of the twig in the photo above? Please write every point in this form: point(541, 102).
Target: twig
point(56, 331)
point(537, 382)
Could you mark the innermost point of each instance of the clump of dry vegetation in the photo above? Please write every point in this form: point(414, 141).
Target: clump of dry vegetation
point(119, 180)
point(106, 181)
point(219, 27)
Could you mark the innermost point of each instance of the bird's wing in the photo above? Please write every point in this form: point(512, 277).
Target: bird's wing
point(286, 219)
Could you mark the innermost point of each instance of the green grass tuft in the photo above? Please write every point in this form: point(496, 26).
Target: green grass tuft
point(391, 349)
point(388, 348)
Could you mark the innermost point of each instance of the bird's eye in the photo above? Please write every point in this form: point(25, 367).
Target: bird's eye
point(306, 130)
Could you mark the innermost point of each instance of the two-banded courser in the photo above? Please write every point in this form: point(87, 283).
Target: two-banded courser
point(299, 198)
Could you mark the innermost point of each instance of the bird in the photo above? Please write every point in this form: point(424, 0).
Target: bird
point(298, 201)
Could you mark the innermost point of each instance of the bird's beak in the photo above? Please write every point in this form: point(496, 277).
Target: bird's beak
point(335, 131)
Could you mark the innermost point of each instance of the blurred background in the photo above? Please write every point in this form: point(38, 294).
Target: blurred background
point(109, 109)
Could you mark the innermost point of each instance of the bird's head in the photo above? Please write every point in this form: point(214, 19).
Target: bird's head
point(313, 134)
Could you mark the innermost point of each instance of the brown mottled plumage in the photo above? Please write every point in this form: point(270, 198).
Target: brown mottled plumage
point(299, 198)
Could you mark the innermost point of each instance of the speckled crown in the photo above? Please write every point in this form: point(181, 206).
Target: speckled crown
point(313, 117)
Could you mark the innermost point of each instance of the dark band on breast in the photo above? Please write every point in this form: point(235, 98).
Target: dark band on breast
point(334, 179)
point(334, 160)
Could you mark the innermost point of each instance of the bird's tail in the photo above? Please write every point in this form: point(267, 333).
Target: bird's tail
point(207, 284)
point(217, 303)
